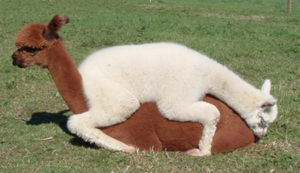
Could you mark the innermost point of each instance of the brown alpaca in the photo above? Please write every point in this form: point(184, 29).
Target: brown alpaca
point(40, 44)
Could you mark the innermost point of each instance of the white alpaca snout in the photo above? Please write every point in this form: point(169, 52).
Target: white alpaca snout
point(261, 134)
point(260, 131)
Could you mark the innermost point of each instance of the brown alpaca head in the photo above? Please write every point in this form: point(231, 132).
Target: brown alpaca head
point(34, 42)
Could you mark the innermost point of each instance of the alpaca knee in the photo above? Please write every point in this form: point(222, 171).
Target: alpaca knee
point(208, 114)
point(80, 126)
point(73, 124)
point(213, 115)
point(76, 123)
point(214, 118)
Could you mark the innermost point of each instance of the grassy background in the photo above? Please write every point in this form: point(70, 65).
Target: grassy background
point(255, 38)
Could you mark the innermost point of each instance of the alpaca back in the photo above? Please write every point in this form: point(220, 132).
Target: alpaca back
point(149, 70)
point(156, 70)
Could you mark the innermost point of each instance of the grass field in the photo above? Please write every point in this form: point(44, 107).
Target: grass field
point(255, 38)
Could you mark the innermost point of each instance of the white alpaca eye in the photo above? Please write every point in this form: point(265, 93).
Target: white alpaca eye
point(267, 109)
point(253, 127)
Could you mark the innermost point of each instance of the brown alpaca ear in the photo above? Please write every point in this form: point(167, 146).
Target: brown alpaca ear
point(51, 31)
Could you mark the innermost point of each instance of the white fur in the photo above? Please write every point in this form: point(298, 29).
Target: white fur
point(117, 79)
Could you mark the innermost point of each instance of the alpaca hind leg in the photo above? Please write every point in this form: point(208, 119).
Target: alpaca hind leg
point(83, 126)
point(109, 104)
point(205, 113)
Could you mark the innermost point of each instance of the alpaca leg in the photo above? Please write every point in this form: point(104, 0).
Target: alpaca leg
point(109, 104)
point(205, 142)
point(203, 112)
point(83, 126)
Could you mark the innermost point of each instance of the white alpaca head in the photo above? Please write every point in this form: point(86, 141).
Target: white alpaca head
point(265, 114)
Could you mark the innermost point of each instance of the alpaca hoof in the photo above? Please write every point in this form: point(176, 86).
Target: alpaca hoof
point(197, 152)
point(129, 149)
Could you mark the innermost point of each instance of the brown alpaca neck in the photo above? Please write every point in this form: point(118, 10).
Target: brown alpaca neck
point(67, 78)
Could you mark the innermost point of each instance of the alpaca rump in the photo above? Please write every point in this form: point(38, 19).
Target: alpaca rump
point(147, 129)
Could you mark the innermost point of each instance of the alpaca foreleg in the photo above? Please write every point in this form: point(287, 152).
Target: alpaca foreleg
point(205, 142)
point(205, 113)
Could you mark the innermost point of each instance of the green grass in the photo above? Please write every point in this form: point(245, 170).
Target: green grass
point(255, 38)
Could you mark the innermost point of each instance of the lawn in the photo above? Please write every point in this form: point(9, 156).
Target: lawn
point(256, 38)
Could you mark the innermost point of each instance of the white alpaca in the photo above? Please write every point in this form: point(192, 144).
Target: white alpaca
point(116, 80)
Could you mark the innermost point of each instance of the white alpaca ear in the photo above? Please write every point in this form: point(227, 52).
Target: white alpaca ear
point(266, 87)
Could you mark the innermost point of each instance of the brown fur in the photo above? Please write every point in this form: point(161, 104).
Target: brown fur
point(146, 129)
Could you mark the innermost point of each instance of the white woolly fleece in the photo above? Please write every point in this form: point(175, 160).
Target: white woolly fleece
point(160, 71)
point(117, 79)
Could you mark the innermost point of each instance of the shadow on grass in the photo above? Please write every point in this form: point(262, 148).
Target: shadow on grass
point(60, 119)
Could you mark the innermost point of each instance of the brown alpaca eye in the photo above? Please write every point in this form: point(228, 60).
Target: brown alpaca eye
point(30, 50)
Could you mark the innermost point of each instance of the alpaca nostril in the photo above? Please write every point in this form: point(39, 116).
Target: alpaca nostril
point(14, 56)
point(15, 61)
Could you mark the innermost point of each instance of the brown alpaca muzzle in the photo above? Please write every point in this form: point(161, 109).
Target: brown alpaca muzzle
point(18, 61)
